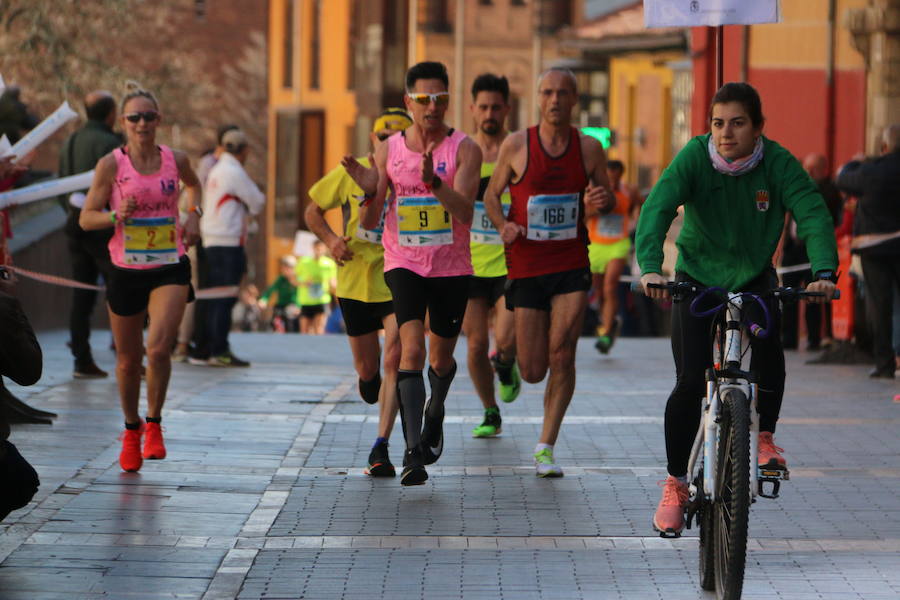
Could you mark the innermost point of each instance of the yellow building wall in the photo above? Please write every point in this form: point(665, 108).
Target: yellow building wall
point(640, 98)
point(332, 97)
point(800, 41)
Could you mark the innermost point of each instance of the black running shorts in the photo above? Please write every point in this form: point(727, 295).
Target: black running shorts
point(361, 318)
point(491, 288)
point(444, 298)
point(309, 311)
point(128, 290)
point(536, 292)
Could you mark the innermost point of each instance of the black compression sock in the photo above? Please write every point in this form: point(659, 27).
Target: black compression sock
point(133, 426)
point(153, 419)
point(503, 370)
point(411, 394)
point(369, 389)
point(440, 385)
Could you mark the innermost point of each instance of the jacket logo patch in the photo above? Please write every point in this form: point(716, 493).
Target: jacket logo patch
point(762, 200)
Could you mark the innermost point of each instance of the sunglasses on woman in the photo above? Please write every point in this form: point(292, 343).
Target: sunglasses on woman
point(439, 99)
point(148, 116)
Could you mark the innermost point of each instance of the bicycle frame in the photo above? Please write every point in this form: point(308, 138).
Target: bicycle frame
point(725, 376)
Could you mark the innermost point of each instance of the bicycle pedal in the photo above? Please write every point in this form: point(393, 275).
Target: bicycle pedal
point(773, 473)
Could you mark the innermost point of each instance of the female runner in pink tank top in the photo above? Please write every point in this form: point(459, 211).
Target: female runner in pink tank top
point(139, 184)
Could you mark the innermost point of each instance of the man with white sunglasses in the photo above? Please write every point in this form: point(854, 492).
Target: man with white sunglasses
point(433, 172)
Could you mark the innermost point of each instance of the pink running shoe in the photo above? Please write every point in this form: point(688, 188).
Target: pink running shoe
point(770, 454)
point(669, 517)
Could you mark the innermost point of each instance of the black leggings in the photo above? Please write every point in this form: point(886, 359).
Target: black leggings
point(692, 350)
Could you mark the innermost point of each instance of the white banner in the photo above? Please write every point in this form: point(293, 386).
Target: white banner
point(694, 13)
point(46, 189)
point(45, 129)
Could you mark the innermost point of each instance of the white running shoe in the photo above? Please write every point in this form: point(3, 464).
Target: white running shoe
point(544, 465)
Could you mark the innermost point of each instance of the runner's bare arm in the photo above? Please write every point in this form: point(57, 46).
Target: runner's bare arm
point(195, 196)
point(92, 214)
point(460, 199)
point(371, 210)
point(337, 245)
point(504, 172)
point(598, 197)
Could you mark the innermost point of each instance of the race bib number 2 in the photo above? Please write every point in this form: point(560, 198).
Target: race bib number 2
point(553, 217)
point(423, 221)
point(151, 240)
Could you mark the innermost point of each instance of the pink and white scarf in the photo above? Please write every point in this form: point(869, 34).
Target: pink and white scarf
point(735, 167)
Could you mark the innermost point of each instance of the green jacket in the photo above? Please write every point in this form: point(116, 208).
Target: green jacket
point(81, 150)
point(732, 224)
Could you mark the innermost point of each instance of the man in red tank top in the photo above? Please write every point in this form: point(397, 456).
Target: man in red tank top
point(552, 171)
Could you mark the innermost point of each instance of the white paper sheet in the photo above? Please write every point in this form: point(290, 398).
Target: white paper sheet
point(45, 129)
point(693, 13)
point(46, 189)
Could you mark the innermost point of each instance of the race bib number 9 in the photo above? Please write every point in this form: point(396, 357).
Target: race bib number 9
point(483, 231)
point(423, 221)
point(610, 226)
point(150, 240)
point(553, 217)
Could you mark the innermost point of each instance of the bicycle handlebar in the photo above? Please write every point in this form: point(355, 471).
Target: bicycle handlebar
point(679, 288)
point(784, 293)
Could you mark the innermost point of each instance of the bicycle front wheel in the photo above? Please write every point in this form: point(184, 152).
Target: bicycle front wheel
point(732, 504)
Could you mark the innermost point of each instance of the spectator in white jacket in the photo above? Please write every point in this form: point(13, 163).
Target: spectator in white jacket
point(229, 200)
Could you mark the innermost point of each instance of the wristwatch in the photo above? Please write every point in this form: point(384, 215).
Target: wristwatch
point(826, 276)
point(196, 209)
point(435, 184)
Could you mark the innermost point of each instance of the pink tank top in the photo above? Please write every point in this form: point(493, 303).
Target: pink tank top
point(151, 238)
point(419, 234)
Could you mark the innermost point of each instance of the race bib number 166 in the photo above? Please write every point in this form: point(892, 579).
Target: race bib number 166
point(553, 217)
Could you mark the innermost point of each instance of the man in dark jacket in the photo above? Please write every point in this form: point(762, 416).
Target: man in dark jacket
point(20, 360)
point(87, 249)
point(876, 238)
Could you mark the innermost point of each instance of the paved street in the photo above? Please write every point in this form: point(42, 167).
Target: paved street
point(262, 494)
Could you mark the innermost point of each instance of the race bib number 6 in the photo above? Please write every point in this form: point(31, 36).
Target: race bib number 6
point(553, 217)
point(371, 235)
point(483, 231)
point(423, 221)
point(151, 240)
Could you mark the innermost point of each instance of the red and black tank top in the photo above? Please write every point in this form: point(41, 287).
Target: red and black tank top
point(547, 201)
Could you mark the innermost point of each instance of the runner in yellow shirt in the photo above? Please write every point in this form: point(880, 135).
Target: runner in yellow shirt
point(315, 280)
point(490, 106)
point(364, 297)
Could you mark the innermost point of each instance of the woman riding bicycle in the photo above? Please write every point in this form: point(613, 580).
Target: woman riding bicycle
point(152, 274)
point(736, 187)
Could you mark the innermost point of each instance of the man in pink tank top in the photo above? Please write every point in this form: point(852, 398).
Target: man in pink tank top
point(433, 174)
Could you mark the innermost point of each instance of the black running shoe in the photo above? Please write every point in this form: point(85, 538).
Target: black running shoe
point(413, 470)
point(432, 444)
point(380, 463)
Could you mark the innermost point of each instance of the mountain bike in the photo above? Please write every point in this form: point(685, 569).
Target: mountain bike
point(724, 478)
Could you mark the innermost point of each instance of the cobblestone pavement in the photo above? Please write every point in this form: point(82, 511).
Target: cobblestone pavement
point(263, 496)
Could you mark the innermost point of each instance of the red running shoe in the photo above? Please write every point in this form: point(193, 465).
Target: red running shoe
point(770, 454)
point(154, 448)
point(669, 517)
point(130, 458)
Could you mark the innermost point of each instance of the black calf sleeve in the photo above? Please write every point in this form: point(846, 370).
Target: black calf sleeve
point(369, 390)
